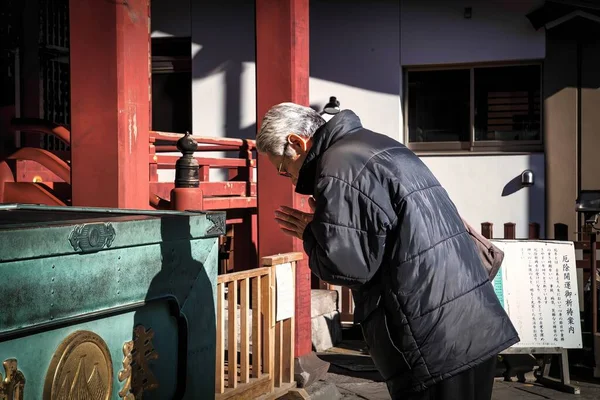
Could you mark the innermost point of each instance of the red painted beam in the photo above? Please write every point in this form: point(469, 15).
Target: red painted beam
point(227, 203)
point(209, 189)
point(38, 125)
point(164, 148)
point(230, 142)
point(110, 80)
point(164, 161)
point(32, 171)
point(29, 193)
point(282, 64)
point(46, 159)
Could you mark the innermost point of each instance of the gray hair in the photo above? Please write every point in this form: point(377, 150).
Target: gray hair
point(280, 121)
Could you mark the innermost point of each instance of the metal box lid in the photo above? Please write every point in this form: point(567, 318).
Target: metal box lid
point(28, 231)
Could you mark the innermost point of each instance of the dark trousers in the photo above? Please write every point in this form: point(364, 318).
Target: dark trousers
point(473, 384)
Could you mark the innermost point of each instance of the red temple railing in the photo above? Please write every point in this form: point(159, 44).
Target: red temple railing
point(42, 176)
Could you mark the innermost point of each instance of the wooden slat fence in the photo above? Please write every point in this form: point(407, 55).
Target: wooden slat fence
point(255, 353)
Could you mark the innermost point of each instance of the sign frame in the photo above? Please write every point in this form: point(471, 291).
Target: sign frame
point(542, 375)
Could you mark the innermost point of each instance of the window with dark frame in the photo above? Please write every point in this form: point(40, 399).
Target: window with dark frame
point(501, 104)
point(439, 106)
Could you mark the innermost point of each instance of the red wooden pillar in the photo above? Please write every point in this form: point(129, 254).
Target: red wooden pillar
point(282, 72)
point(110, 45)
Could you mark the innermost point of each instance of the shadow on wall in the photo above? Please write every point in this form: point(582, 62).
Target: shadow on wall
point(536, 192)
point(224, 33)
point(180, 310)
point(571, 83)
point(355, 45)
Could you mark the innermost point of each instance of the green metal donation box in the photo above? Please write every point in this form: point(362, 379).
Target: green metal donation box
point(102, 304)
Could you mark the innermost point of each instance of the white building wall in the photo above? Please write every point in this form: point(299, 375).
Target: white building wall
point(435, 32)
point(223, 65)
point(357, 53)
point(170, 18)
point(487, 189)
point(355, 56)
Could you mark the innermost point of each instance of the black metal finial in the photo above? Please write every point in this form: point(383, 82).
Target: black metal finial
point(187, 170)
point(333, 107)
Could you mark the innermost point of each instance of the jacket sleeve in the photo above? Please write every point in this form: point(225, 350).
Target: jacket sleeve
point(345, 241)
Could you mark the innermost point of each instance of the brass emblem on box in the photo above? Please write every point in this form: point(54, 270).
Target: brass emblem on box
point(92, 237)
point(11, 387)
point(81, 368)
point(136, 371)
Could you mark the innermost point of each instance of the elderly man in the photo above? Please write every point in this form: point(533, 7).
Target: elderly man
point(384, 227)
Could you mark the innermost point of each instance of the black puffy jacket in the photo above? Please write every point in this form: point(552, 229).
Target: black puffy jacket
point(386, 228)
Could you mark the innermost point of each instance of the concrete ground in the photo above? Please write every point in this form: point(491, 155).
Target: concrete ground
point(352, 375)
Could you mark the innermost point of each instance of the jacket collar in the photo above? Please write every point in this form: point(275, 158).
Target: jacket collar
point(344, 123)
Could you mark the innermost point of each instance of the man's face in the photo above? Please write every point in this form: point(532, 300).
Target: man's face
point(290, 166)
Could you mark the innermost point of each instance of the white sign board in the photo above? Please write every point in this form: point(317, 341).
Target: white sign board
point(284, 281)
point(537, 285)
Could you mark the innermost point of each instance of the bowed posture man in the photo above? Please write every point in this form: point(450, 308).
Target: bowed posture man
point(383, 226)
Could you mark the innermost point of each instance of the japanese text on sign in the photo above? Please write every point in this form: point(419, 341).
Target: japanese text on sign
point(537, 286)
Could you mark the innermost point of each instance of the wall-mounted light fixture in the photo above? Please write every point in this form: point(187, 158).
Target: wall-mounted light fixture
point(468, 12)
point(527, 178)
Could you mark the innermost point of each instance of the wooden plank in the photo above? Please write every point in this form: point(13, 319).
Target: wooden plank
point(226, 203)
point(110, 99)
point(287, 352)
point(30, 193)
point(282, 26)
point(220, 375)
point(169, 148)
point(298, 393)
point(237, 276)
point(203, 174)
point(46, 159)
point(251, 390)
point(503, 128)
point(269, 327)
point(290, 340)
point(257, 338)
point(232, 332)
point(278, 393)
point(38, 125)
point(227, 188)
point(507, 94)
point(174, 137)
point(165, 161)
point(244, 337)
point(500, 121)
point(509, 100)
point(282, 258)
point(278, 374)
point(523, 107)
point(346, 301)
point(222, 188)
point(506, 114)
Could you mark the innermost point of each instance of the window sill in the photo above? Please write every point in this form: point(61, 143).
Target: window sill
point(479, 149)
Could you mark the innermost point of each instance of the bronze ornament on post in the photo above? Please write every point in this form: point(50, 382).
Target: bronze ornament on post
point(187, 169)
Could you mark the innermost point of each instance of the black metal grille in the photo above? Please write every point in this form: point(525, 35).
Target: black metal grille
point(10, 28)
point(54, 24)
point(10, 24)
point(54, 64)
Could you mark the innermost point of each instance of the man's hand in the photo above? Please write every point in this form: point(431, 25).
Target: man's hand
point(293, 222)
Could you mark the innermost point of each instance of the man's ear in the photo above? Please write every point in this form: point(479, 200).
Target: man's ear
point(298, 142)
